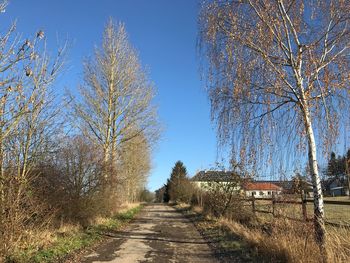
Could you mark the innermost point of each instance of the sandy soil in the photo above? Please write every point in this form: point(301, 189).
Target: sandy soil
point(159, 234)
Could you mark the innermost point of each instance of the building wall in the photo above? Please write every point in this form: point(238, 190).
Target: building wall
point(261, 193)
point(258, 193)
point(205, 185)
point(339, 191)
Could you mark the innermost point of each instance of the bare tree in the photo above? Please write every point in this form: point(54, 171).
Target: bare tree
point(117, 95)
point(72, 181)
point(26, 122)
point(135, 165)
point(278, 68)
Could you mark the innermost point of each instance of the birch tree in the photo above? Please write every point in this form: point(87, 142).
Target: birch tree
point(116, 96)
point(278, 68)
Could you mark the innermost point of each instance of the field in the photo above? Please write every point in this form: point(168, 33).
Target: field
point(334, 213)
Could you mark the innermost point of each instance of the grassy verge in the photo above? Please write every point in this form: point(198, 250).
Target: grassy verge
point(227, 246)
point(75, 240)
point(277, 240)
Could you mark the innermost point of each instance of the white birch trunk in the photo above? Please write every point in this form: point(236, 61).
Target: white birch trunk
point(319, 221)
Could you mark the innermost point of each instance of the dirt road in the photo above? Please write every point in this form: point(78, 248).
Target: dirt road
point(159, 234)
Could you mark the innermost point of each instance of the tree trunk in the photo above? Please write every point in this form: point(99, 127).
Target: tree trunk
point(347, 175)
point(106, 162)
point(2, 179)
point(319, 222)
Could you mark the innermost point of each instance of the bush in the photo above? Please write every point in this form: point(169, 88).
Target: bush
point(72, 184)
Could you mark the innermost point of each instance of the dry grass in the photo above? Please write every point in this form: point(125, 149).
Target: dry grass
point(69, 228)
point(337, 198)
point(38, 239)
point(283, 240)
point(334, 213)
point(127, 206)
point(180, 205)
point(338, 244)
point(197, 209)
point(278, 242)
point(296, 238)
point(289, 241)
point(99, 220)
point(47, 245)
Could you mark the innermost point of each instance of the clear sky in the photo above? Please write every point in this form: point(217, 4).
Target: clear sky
point(164, 32)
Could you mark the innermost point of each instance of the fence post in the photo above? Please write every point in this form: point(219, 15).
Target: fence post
point(253, 203)
point(303, 205)
point(273, 204)
point(202, 203)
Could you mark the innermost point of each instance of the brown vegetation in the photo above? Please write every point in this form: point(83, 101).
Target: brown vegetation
point(51, 179)
point(268, 238)
point(290, 241)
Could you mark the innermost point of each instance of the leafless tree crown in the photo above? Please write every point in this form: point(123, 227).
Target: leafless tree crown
point(268, 62)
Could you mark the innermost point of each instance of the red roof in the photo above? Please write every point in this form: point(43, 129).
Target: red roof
point(262, 186)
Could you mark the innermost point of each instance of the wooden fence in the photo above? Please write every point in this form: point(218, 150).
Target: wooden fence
point(303, 201)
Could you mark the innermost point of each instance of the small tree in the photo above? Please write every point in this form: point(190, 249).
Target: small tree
point(146, 196)
point(71, 181)
point(300, 184)
point(159, 194)
point(166, 195)
point(223, 197)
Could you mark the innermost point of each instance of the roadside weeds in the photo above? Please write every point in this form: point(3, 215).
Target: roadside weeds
point(227, 246)
point(280, 240)
point(74, 239)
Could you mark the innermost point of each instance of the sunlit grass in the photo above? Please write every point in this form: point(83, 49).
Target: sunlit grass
point(69, 239)
point(338, 214)
point(271, 239)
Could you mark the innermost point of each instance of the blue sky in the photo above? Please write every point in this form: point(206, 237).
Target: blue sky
point(164, 32)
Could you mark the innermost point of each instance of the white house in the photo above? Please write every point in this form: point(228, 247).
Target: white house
point(204, 179)
point(261, 189)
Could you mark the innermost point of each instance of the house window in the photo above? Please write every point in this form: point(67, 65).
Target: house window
point(268, 193)
point(253, 193)
point(261, 193)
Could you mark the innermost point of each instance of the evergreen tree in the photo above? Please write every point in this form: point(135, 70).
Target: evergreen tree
point(337, 165)
point(340, 167)
point(166, 196)
point(332, 163)
point(179, 184)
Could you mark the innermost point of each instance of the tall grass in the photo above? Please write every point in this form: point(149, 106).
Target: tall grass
point(283, 240)
point(290, 241)
point(52, 245)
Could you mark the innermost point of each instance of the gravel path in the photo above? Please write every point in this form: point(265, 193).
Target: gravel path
point(158, 234)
